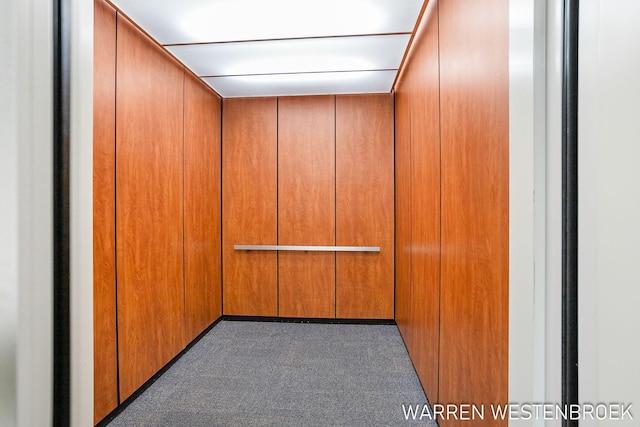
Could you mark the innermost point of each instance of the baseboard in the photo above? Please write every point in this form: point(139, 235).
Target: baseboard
point(122, 406)
point(309, 320)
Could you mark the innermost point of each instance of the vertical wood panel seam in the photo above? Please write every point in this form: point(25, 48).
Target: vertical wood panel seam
point(410, 280)
point(184, 249)
point(335, 205)
point(221, 213)
point(440, 195)
point(395, 214)
point(115, 203)
point(277, 206)
point(410, 313)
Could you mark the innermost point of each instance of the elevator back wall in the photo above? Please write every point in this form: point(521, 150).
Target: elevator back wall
point(308, 171)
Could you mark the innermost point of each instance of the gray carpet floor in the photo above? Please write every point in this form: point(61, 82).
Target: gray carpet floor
point(284, 374)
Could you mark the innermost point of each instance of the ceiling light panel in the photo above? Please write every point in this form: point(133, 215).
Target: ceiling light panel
point(303, 84)
point(204, 21)
point(294, 56)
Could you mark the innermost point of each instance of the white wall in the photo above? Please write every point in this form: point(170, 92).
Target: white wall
point(33, 108)
point(8, 213)
point(553, 206)
point(609, 210)
point(609, 148)
point(535, 60)
point(81, 212)
point(522, 93)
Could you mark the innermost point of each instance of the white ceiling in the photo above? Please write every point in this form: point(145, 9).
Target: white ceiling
point(244, 48)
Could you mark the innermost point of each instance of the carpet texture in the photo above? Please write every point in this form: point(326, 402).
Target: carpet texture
point(284, 374)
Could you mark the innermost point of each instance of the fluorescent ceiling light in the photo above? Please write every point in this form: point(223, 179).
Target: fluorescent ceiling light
point(303, 84)
point(195, 21)
point(285, 17)
point(294, 56)
point(283, 47)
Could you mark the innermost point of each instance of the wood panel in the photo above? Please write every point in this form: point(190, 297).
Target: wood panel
point(403, 210)
point(249, 195)
point(149, 221)
point(364, 205)
point(475, 205)
point(306, 205)
point(202, 207)
point(425, 203)
point(418, 201)
point(105, 364)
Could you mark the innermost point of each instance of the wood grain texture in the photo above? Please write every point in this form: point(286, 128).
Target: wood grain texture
point(403, 209)
point(418, 201)
point(202, 207)
point(105, 363)
point(475, 203)
point(249, 197)
point(306, 205)
point(364, 205)
point(149, 221)
point(306, 284)
point(425, 202)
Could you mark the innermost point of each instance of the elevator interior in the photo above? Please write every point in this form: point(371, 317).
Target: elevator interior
point(409, 160)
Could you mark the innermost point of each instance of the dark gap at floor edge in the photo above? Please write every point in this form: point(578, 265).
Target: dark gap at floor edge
point(121, 407)
point(329, 321)
point(429, 403)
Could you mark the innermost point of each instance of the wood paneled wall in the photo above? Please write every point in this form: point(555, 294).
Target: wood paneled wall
point(403, 212)
point(425, 202)
point(202, 207)
point(306, 205)
point(474, 87)
point(364, 206)
point(249, 176)
point(157, 198)
point(334, 166)
point(418, 202)
point(149, 221)
point(105, 384)
point(452, 203)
